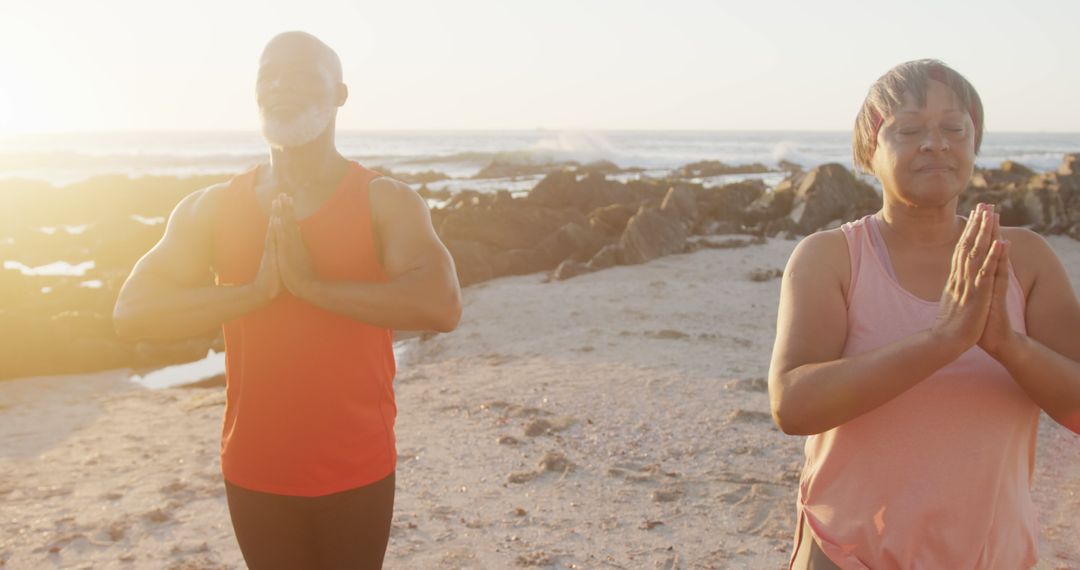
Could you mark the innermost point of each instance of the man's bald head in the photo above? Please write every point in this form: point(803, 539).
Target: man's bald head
point(302, 45)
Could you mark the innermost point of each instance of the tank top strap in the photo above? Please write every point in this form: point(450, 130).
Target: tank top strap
point(860, 245)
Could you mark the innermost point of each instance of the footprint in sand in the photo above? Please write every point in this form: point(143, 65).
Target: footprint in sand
point(543, 426)
point(552, 461)
point(114, 531)
point(748, 416)
point(157, 516)
point(651, 473)
point(539, 558)
point(748, 384)
point(667, 334)
point(668, 494)
point(762, 510)
point(540, 422)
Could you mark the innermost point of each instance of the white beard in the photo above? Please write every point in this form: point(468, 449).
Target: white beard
point(299, 130)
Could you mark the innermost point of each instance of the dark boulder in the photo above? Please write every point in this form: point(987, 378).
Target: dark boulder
point(707, 168)
point(565, 190)
point(1070, 165)
point(501, 168)
point(680, 204)
point(830, 193)
point(520, 226)
point(471, 260)
point(570, 268)
point(729, 202)
point(650, 234)
point(600, 167)
point(611, 220)
point(608, 256)
point(572, 241)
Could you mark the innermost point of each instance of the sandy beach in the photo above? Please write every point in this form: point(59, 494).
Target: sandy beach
point(615, 420)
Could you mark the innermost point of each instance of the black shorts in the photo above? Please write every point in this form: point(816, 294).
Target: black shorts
point(343, 530)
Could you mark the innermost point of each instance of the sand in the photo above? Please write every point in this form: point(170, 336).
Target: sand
point(615, 420)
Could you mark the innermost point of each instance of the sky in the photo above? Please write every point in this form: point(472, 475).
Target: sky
point(135, 65)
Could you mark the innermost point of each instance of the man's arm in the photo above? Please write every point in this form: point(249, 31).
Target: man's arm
point(170, 293)
point(422, 292)
point(1046, 361)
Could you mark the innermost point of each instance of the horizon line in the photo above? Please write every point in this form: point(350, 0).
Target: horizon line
point(480, 130)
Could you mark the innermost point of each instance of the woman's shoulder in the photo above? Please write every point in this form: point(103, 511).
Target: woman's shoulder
point(823, 254)
point(1029, 254)
point(826, 246)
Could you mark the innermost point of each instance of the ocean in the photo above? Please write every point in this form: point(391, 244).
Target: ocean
point(65, 158)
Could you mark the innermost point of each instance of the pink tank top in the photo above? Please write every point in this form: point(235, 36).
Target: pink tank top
point(940, 476)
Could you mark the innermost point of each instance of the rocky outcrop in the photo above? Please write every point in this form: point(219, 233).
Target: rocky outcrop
point(574, 221)
point(828, 195)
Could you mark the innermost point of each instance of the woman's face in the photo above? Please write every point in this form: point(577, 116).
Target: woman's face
point(925, 155)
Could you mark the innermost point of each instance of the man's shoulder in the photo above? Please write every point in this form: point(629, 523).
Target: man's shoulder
point(200, 207)
point(390, 196)
point(392, 188)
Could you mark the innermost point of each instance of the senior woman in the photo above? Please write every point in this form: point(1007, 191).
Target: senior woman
point(916, 349)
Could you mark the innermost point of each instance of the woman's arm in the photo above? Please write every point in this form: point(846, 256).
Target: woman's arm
point(1046, 361)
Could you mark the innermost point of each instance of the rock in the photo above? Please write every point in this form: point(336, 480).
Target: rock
point(707, 168)
point(565, 190)
point(608, 256)
point(1015, 168)
point(999, 196)
point(1010, 173)
point(503, 199)
point(471, 260)
point(600, 167)
point(789, 166)
point(499, 168)
point(772, 205)
point(468, 199)
point(1070, 165)
point(428, 194)
point(729, 243)
point(611, 219)
point(650, 234)
point(517, 262)
point(424, 177)
point(571, 241)
point(729, 202)
point(830, 192)
point(681, 204)
point(520, 226)
point(570, 268)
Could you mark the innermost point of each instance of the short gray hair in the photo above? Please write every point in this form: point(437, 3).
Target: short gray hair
point(886, 96)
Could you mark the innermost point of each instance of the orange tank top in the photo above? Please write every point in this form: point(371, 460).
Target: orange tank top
point(309, 393)
point(938, 477)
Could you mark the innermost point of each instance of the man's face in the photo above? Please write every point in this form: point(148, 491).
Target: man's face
point(296, 92)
